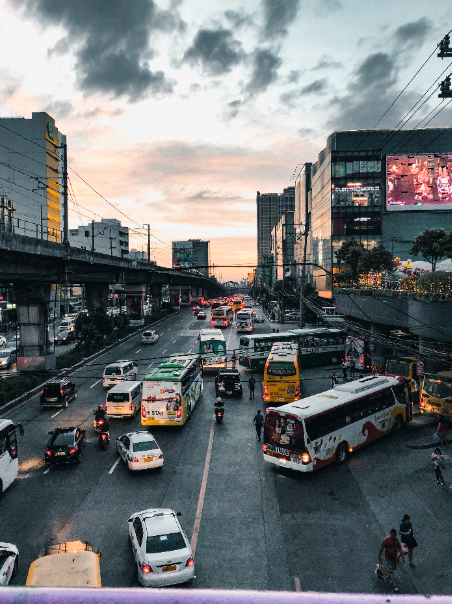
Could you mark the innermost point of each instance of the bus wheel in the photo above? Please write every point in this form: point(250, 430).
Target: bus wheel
point(341, 453)
point(398, 423)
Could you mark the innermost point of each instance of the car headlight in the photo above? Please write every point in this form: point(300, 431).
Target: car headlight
point(4, 362)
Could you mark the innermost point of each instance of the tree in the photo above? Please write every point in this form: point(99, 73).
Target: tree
point(350, 253)
point(432, 245)
point(377, 259)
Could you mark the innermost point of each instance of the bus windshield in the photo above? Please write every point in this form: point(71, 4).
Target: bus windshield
point(284, 431)
point(438, 388)
point(281, 368)
point(397, 368)
point(213, 347)
point(244, 341)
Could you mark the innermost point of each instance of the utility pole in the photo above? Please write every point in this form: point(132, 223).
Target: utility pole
point(65, 202)
point(92, 236)
point(149, 240)
point(111, 244)
point(303, 276)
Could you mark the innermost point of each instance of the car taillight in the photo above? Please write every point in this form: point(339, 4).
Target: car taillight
point(130, 406)
point(61, 390)
point(179, 412)
point(239, 384)
point(42, 391)
point(220, 384)
point(265, 390)
point(225, 323)
point(297, 391)
point(143, 411)
point(305, 458)
point(362, 360)
point(48, 452)
point(161, 456)
point(73, 450)
point(190, 562)
point(345, 356)
point(264, 447)
point(146, 568)
point(134, 459)
point(211, 323)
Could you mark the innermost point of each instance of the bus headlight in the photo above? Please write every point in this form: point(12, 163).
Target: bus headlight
point(306, 458)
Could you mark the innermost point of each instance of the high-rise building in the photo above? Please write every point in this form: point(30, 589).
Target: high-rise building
point(193, 253)
point(379, 186)
point(31, 168)
point(270, 209)
point(107, 236)
point(283, 240)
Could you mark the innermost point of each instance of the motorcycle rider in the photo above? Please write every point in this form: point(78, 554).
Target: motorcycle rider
point(219, 406)
point(101, 414)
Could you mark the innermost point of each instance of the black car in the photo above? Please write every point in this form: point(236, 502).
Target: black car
point(65, 445)
point(58, 393)
point(196, 309)
point(227, 383)
point(201, 315)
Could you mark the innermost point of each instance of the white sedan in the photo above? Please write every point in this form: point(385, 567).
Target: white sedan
point(149, 337)
point(161, 549)
point(140, 451)
point(9, 561)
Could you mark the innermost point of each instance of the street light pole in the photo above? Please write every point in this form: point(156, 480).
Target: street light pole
point(149, 240)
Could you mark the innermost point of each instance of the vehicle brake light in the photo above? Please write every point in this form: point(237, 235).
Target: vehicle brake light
point(362, 360)
point(297, 391)
point(143, 411)
point(266, 390)
point(146, 568)
point(190, 562)
point(345, 356)
point(264, 447)
point(61, 390)
point(130, 406)
point(134, 459)
point(179, 412)
point(100, 422)
point(73, 450)
point(42, 391)
point(239, 384)
point(48, 452)
point(305, 458)
point(161, 456)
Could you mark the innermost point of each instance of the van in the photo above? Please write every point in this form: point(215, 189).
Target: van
point(67, 324)
point(124, 400)
point(120, 371)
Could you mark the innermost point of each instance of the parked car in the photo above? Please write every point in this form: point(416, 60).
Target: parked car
point(201, 316)
point(65, 445)
point(9, 562)
point(140, 451)
point(8, 357)
point(149, 337)
point(58, 393)
point(161, 549)
point(64, 337)
point(228, 384)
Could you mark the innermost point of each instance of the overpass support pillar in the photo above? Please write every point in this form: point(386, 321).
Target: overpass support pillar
point(378, 352)
point(155, 295)
point(32, 306)
point(96, 297)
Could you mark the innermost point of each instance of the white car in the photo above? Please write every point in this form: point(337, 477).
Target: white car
point(149, 337)
point(161, 549)
point(9, 561)
point(2, 341)
point(140, 451)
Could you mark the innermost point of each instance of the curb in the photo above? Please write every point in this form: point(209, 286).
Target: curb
point(69, 371)
point(426, 445)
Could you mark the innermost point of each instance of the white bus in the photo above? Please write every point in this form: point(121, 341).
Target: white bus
point(247, 302)
point(244, 320)
point(222, 316)
point(9, 460)
point(311, 433)
point(212, 348)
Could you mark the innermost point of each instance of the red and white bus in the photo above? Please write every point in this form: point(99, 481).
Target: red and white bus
point(221, 316)
point(311, 433)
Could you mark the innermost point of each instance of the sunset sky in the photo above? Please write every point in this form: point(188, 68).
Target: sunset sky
point(178, 111)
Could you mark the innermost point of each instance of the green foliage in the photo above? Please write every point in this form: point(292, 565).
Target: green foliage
point(432, 245)
point(350, 253)
point(347, 277)
point(436, 282)
point(15, 385)
point(378, 259)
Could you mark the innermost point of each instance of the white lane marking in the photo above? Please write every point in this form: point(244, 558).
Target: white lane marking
point(202, 492)
point(190, 350)
point(164, 351)
point(95, 383)
point(297, 584)
point(55, 414)
point(151, 364)
point(138, 351)
point(112, 469)
point(174, 342)
point(48, 470)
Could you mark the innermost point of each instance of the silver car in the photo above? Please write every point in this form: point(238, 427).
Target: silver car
point(8, 357)
point(161, 549)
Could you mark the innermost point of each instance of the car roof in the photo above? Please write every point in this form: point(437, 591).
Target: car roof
point(139, 437)
point(9, 349)
point(160, 522)
point(59, 381)
point(229, 371)
point(62, 430)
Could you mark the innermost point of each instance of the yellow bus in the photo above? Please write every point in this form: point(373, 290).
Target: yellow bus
point(171, 391)
point(236, 304)
point(282, 374)
point(436, 394)
point(71, 564)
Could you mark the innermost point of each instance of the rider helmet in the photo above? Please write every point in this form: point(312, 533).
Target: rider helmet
point(219, 399)
point(101, 408)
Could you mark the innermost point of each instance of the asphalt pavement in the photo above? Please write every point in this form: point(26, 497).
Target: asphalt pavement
point(261, 528)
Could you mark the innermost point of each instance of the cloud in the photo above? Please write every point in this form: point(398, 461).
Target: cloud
point(215, 50)
point(414, 32)
point(278, 15)
point(265, 65)
point(315, 87)
point(234, 108)
point(326, 63)
point(59, 109)
point(327, 6)
point(239, 18)
point(293, 76)
point(111, 42)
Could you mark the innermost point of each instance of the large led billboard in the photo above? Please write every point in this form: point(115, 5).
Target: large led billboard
point(182, 254)
point(419, 182)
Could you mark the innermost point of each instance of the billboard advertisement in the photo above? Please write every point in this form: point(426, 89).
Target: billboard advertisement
point(182, 256)
point(419, 182)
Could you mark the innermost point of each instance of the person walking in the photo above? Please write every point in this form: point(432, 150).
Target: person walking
point(334, 380)
point(258, 422)
point(393, 552)
point(438, 465)
point(352, 366)
point(252, 386)
point(344, 369)
point(406, 537)
point(234, 360)
point(441, 432)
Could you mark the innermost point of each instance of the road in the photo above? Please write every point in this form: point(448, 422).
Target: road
point(261, 528)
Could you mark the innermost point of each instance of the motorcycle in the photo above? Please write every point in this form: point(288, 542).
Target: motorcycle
point(102, 427)
point(219, 413)
point(104, 440)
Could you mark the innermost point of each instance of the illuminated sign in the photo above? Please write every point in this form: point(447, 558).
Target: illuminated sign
point(50, 130)
point(419, 182)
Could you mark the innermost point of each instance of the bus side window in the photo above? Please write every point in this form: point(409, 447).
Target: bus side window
point(398, 392)
point(3, 441)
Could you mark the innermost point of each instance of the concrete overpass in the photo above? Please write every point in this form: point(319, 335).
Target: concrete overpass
point(32, 265)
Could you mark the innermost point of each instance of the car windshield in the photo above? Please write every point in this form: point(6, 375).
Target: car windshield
point(117, 397)
point(112, 371)
point(145, 445)
point(63, 439)
point(4, 354)
point(165, 543)
point(438, 388)
point(281, 368)
point(148, 334)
